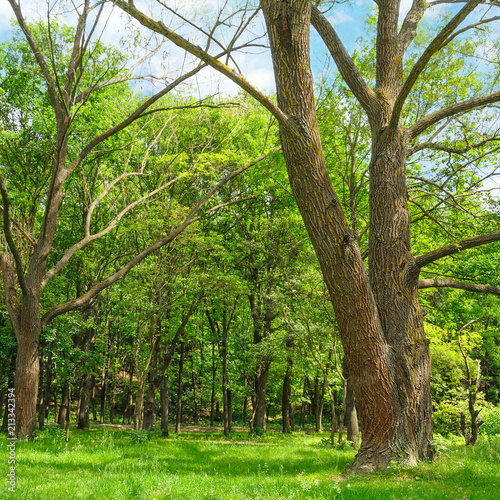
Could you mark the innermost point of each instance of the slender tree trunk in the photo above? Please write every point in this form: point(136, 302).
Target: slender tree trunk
point(164, 401)
point(45, 399)
point(260, 410)
point(64, 407)
point(212, 395)
point(178, 418)
point(196, 418)
point(102, 399)
point(112, 406)
point(150, 406)
point(285, 398)
point(351, 417)
point(303, 406)
point(139, 402)
point(67, 417)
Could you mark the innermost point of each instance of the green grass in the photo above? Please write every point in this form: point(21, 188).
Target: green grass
point(111, 464)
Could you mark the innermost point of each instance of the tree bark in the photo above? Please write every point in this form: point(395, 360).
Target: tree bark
point(28, 366)
point(380, 320)
point(86, 390)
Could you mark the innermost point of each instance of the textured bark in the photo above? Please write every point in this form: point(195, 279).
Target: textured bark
point(380, 321)
point(27, 367)
point(86, 390)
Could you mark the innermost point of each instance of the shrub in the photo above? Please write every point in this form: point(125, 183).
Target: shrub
point(491, 426)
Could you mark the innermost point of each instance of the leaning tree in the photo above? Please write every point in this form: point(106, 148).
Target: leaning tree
point(376, 307)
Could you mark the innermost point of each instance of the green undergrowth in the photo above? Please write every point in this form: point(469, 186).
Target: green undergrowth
point(118, 464)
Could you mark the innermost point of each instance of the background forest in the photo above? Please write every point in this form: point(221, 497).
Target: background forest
point(228, 322)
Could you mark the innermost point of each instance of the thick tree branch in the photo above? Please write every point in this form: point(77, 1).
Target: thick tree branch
point(451, 150)
point(452, 110)
point(447, 283)
point(409, 28)
point(344, 62)
point(429, 52)
point(160, 28)
point(92, 237)
point(453, 248)
point(10, 292)
point(138, 113)
point(10, 239)
point(21, 230)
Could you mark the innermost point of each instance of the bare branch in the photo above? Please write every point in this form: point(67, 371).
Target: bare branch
point(447, 283)
point(429, 52)
point(10, 292)
point(448, 149)
point(92, 237)
point(8, 236)
point(213, 62)
point(453, 248)
point(452, 110)
point(51, 86)
point(21, 230)
point(467, 28)
point(409, 28)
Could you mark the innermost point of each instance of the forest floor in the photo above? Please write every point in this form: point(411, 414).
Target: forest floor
point(115, 464)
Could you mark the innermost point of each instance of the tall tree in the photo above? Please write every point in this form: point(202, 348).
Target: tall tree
point(74, 70)
point(377, 309)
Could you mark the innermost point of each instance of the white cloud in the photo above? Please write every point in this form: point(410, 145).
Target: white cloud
point(340, 17)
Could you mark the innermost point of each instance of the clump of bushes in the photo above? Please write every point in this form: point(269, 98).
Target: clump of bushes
point(491, 426)
point(446, 416)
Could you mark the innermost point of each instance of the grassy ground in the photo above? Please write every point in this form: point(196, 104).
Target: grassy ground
point(119, 464)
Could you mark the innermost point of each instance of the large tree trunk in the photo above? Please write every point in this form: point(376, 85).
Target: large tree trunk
point(260, 409)
point(86, 390)
point(27, 366)
point(380, 321)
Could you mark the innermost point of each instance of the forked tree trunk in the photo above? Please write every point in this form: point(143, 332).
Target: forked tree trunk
point(379, 320)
